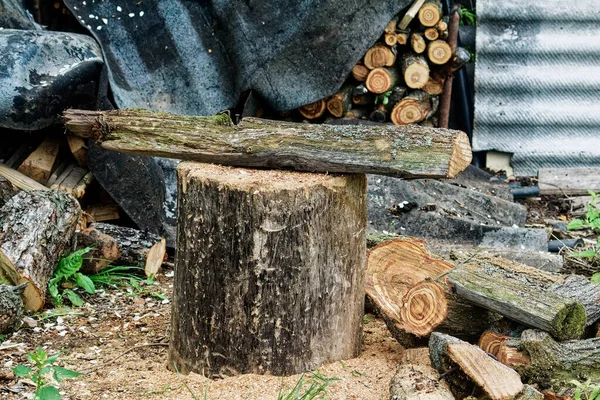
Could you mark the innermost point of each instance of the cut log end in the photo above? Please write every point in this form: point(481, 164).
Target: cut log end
point(461, 155)
point(439, 52)
point(431, 34)
point(491, 342)
point(407, 111)
point(390, 39)
point(416, 72)
point(418, 43)
point(424, 307)
point(402, 38)
point(360, 72)
point(430, 14)
point(379, 56)
point(380, 80)
point(313, 110)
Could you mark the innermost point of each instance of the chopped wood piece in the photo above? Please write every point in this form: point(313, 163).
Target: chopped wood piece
point(379, 56)
point(439, 52)
point(497, 380)
point(380, 80)
point(398, 281)
point(418, 382)
point(563, 181)
point(21, 153)
point(442, 26)
point(435, 85)
point(412, 109)
point(103, 212)
point(105, 250)
point(360, 72)
point(78, 149)
point(390, 39)
point(266, 143)
point(260, 324)
point(521, 293)
point(156, 256)
point(74, 180)
point(313, 110)
point(430, 13)
point(37, 227)
point(21, 181)
point(417, 42)
point(410, 14)
point(503, 348)
point(402, 38)
point(415, 71)
point(391, 26)
point(339, 104)
point(431, 34)
point(491, 342)
point(39, 165)
point(133, 244)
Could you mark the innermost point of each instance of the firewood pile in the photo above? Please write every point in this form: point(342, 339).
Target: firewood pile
point(492, 327)
point(403, 77)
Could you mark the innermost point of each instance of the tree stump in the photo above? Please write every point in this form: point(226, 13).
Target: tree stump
point(269, 270)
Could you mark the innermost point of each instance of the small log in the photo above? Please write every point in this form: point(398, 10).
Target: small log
point(402, 38)
point(418, 382)
point(360, 72)
point(358, 113)
point(379, 56)
point(133, 244)
point(460, 57)
point(398, 151)
point(413, 108)
point(37, 227)
point(495, 379)
point(439, 52)
point(521, 293)
point(105, 250)
point(78, 148)
point(378, 115)
point(398, 281)
point(410, 14)
point(391, 26)
point(418, 43)
point(260, 306)
point(339, 104)
point(39, 165)
point(435, 84)
point(364, 100)
point(442, 25)
point(380, 80)
point(430, 13)
point(313, 110)
point(431, 34)
point(11, 307)
point(503, 348)
point(390, 39)
point(415, 71)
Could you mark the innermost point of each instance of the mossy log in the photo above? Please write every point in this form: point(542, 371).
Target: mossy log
point(386, 150)
point(35, 229)
point(269, 272)
point(474, 366)
point(533, 297)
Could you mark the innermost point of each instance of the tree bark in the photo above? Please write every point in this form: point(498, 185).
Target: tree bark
point(132, 244)
point(418, 382)
point(497, 380)
point(415, 70)
point(36, 229)
point(521, 293)
point(400, 283)
point(269, 274)
point(7, 190)
point(406, 152)
point(430, 13)
point(379, 56)
point(380, 80)
point(11, 307)
point(313, 110)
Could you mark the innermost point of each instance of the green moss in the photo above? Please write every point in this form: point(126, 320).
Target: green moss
point(570, 322)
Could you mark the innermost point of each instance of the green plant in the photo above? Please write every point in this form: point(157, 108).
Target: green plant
point(467, 17)
point(44, 373)
point(127, 276)
point(586, 390)
point(67, 276)
point(383, 98)
point(592, 216)
point(317, 388)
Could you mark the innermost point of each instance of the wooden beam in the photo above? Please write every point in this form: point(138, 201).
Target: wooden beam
point(39, 165)
point(20, 180)
point(407, 151)
point(568, 180)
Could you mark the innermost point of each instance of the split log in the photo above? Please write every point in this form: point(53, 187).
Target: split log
point(312, 110)
point(260, 306)
point(105, 250)
point(417, 42)
point(40, 164)
point(155, 258)
point(430, 13)
point(78, 149)
point(380, 80)
point(133, 244)
point(379, 56)
point(415, 71)
point(277, 144)
point(418, 382)
point(524, 294)
point(11, 307)
point(410, 14)
point(402, 38)
point(36, 228)
point(439, 52)
point(495, 379)
point(360, 72)
point(399, 281)
point(431, 34)
point(339, 104)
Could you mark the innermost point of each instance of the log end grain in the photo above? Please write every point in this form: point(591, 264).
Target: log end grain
point(424, 307)
point(313, 110)
point(461, 155)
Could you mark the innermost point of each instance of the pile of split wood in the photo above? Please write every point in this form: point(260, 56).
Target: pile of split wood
point(401, 78)
point(493, 327)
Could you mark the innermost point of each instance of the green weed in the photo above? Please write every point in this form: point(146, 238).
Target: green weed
point(67, 276)
point(592, 216)
point(586, 390)
point(467, 17)
point(315, 387)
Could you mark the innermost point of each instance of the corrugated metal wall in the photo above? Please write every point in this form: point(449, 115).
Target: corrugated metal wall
point(537, 82)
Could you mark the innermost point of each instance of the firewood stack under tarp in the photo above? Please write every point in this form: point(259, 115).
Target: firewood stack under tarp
point(401, 78)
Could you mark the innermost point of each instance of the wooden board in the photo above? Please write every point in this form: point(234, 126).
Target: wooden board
point(568, 180)
point(40, 164)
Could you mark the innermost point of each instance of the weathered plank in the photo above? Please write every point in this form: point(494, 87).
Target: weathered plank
point(568, 180)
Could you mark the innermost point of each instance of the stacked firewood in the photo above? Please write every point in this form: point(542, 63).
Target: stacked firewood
point(401, 77)
point(493, 328)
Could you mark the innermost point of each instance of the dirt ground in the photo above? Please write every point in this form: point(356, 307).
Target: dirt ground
point(99, 338)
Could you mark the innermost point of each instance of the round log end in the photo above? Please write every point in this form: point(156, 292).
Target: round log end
point(407, 111)
point(360, 72)
point(429, 15)
point(424, 307)
point(33, 299)
point(570, 322)
point(491, 342)
point(379, 81)
point(439, 52)
point(313, 110)
point(416, 75)
point(461, 155)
